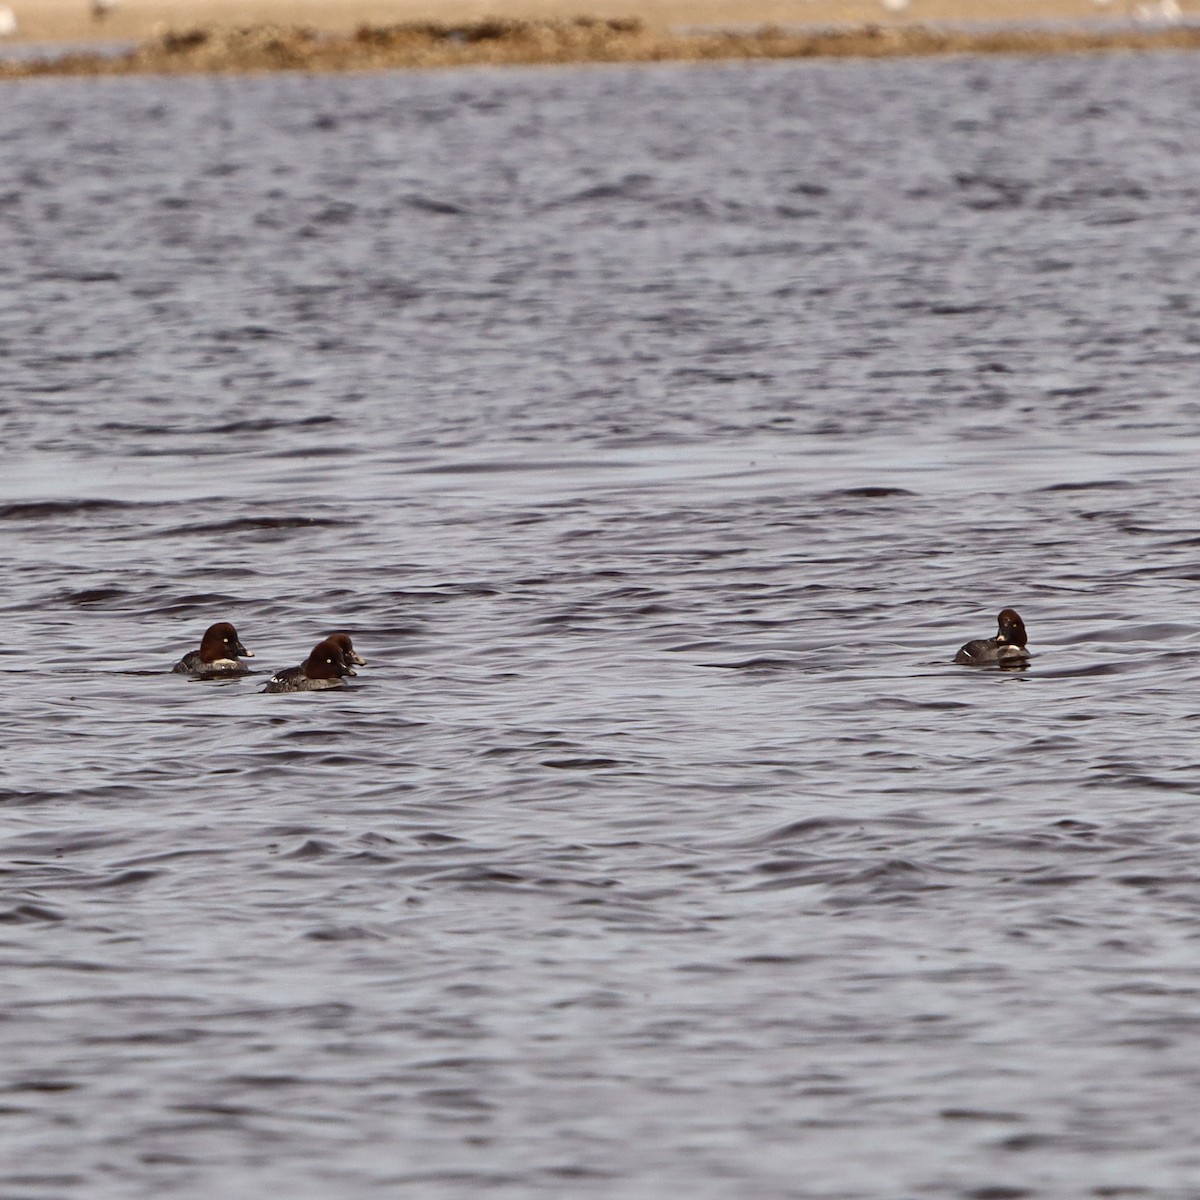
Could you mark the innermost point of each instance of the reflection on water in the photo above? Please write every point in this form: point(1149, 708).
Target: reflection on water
point(659, 435)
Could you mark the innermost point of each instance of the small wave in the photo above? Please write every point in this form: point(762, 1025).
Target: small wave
point(763, 663)
point(583, 764)
point(869, 492)
point(267, 424)
point(261, 525)
point(442, 208)
point(39, 510)
point(1090, 485)
point(23, 914)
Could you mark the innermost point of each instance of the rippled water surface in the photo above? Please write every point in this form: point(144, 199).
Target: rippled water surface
point(659, 434)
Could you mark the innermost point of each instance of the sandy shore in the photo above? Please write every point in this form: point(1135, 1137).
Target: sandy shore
point(172, 36)
point(72, 21)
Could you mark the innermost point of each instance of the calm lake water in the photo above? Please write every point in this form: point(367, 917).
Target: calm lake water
point(659, 434)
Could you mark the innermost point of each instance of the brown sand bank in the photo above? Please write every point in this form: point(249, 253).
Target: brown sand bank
point(509, 41)
point(73, 21)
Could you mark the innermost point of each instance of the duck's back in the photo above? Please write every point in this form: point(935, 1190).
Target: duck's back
point(290, 680)
point(990, 650)
point(296, 679)
point(980, 650)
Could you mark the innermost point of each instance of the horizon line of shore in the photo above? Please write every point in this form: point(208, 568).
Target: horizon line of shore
point(496, 41)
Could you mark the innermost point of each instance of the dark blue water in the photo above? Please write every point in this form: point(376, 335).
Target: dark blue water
point(658, 434)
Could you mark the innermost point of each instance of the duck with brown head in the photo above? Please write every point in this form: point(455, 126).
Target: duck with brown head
point(219, 652)
point(321, 670)
point(1007, 648)
point(347, 647)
